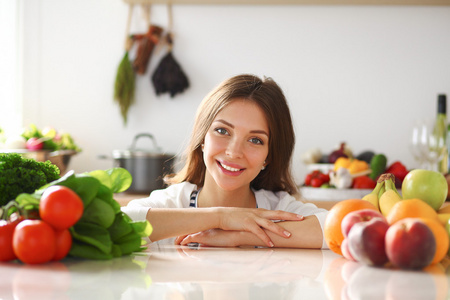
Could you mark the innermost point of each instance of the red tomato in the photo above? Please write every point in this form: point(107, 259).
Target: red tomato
point(6, 239)
point(34, 242)
point(60, 207)
point(63, 243)
point(363, 182)
point(316, 182)
point(308, 179)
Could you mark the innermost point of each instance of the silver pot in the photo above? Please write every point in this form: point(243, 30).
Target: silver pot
point(147, 166)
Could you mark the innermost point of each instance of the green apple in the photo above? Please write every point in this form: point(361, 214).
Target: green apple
point(429, 186)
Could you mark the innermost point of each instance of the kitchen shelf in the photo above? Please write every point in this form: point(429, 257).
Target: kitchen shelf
point(294, 2)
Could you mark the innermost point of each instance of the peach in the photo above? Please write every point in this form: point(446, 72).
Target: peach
point(366, 241)
point(410, 244)
point(362, 215)
point(345, 251)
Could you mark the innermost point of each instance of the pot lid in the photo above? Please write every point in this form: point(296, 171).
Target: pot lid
point(132, 151)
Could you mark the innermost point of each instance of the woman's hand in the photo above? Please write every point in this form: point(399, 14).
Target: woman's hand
point(255, 220)
point(211, 237)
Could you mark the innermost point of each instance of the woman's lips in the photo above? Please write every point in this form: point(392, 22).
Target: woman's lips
point(231, 170)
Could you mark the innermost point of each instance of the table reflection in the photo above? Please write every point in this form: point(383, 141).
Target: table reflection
point(180, 272)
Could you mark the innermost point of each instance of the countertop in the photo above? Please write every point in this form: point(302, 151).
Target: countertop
point(166, 271)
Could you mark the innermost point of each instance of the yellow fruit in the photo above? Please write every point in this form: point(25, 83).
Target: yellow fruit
point(443, 218)
point(387, 200)
point(372, 198)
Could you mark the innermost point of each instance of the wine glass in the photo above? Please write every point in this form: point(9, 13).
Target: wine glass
point(419, 144)
point(436, 150)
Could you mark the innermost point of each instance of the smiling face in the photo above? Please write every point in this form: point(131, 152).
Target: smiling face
point(236, 145)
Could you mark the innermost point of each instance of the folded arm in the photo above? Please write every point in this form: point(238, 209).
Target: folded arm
point(171, 222)
point(305, 234)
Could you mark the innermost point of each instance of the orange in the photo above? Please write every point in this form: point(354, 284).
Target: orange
point(442, 239)
point(332, 228)
point(411, 208)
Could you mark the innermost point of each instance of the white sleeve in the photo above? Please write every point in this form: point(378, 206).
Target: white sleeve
point(291, 204)
point(175, 196)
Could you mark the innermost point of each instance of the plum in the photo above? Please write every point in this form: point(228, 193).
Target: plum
point(410, 244)
point(361, 215)
point(366, 242)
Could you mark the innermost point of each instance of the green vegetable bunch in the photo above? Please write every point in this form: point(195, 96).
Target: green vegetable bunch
point(104, 231)
point(22, 175)
point(52, 140)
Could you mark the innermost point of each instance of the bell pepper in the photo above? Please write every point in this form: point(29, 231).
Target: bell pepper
point(354, 166)
point(363, 182)
point(399, 171)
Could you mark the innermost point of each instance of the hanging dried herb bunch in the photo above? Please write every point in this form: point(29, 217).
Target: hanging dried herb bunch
point(124, 85)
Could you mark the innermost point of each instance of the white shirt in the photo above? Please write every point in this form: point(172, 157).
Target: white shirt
point(178, 196)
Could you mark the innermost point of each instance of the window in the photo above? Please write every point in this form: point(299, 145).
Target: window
point(10, 106)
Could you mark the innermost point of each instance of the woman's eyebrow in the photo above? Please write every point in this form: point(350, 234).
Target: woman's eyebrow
point(232, 126)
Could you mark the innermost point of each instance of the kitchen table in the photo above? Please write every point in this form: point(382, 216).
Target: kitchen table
point(166, 271)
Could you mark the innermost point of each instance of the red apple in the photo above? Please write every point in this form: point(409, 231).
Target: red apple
point(34, 144)
point(410, 244)
point(366, 241)
point(357, 216)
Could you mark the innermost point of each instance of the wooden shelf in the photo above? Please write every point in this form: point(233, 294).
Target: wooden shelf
point(294, 2)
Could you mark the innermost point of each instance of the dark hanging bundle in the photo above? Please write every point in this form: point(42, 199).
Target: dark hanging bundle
point(146, 44)
point(169, 76)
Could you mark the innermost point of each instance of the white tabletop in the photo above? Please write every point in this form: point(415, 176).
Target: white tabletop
point(165, 271)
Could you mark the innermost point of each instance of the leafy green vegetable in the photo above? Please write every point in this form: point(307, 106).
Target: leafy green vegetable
point(98, 212)
point(22, 175)
point(104, 231)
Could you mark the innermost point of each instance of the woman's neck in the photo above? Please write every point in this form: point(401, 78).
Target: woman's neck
point(211, 195)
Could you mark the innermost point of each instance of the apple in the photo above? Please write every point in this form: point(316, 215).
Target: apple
point(429, 186)
point(366, 242)
point(34, 144)
point(410, 244)
point(361, 215)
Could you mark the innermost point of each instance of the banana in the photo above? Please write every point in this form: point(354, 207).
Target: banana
point(390, 197)
point(373, 196)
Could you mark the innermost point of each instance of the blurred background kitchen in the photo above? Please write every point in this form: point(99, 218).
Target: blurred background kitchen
point(360, 74)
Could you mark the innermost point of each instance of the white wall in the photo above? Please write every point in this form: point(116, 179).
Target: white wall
point(360, 74)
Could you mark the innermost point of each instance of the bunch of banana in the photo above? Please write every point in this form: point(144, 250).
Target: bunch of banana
point(384, 195)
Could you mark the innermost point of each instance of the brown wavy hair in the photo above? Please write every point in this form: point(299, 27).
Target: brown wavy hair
point(270, 98)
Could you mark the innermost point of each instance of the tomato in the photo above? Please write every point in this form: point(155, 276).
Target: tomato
point(308, 179)
point(6, 239)
point(34, 241)
point(63, 243)
point(60, 207)
point(429, 186)
point(316, 182)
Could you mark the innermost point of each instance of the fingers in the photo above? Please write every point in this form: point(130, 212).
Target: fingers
point(179, 239)
point(273, 227)
point(262, 235)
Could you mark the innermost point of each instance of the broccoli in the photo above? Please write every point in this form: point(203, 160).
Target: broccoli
point(22, 175)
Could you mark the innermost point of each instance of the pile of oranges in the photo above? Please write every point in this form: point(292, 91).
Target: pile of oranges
point(409, 208)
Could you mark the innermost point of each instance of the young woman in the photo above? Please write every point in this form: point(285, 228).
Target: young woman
point(237, 179)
